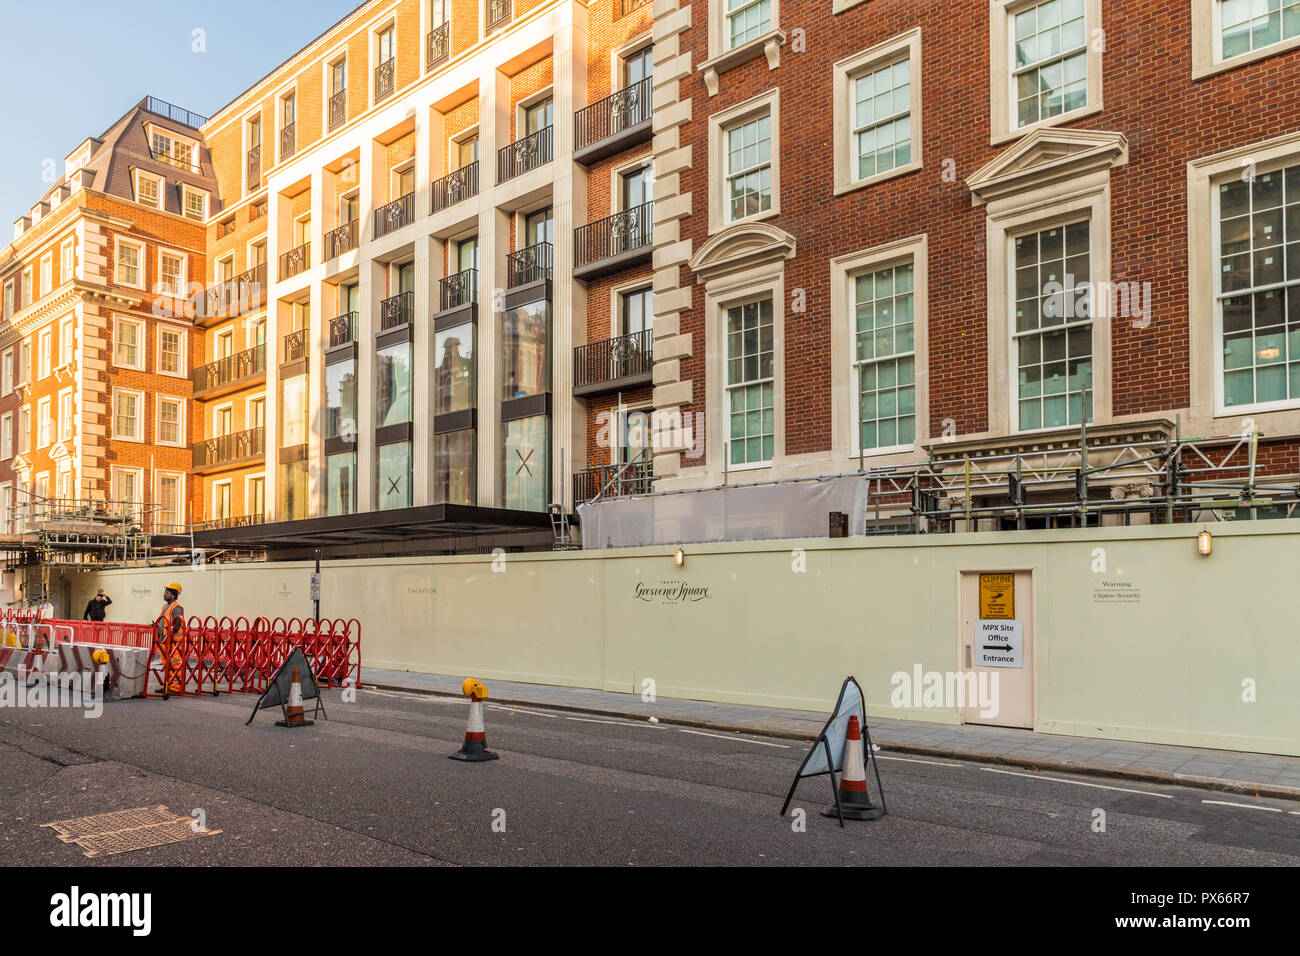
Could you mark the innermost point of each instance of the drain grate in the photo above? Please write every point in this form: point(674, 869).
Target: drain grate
point(122, 831)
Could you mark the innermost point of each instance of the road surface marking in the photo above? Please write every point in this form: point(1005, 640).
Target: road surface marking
point(593, 720)
point(431, 698)
point(1244, 806)
point(1078, 783)
point(535, 713)
point(736, 737)
point(932, 763)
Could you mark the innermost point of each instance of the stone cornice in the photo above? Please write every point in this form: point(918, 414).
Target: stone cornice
point(1047, 156)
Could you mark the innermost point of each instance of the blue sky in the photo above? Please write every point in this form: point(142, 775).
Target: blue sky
point(111, 55)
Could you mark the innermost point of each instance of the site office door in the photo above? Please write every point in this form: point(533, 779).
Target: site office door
point(995, 642)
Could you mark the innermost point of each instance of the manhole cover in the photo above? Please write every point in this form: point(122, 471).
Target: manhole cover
point(124, 830)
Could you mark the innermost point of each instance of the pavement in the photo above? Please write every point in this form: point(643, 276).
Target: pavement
point(1253, 774)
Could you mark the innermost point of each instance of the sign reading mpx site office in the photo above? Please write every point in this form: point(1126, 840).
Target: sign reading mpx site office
point(999, 643)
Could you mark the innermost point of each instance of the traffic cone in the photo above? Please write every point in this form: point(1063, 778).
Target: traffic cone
point(853, 781)
point(293, 710)
point(475, 748)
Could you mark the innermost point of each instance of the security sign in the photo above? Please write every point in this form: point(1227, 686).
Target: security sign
point(997, 596)
point(999, 644)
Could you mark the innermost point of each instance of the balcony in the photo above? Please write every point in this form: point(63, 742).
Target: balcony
point(295, 346)
point(295, 261)
point(338, 109)
point(398, 213)
point(613, 243)
point(614, 481)
point(242, 294)
point(254, 157)
point(385, 75)
point(343, 329)
point(614, 364)
point(523, 155)
point(230, 374)
point(396, 310)
point(438, 45)
point(458, 290)
point(530, 264)
point(619, 121)
point(229, 451)
point(455, 187)
point(288, 141)
point(340, 240)
point(498, 13)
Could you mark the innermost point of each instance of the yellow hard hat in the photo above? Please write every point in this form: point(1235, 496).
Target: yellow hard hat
point(174, 587)
point(100, 656)
point(472, 688)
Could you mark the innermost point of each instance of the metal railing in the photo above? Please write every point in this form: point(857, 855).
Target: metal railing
point(295, 260)
point(288, 140)
point(385, 74)
point(233, 370)
point(175, 113)
point(229, 449)
point(597, 362)
point(627, 6)
point(457, 290)
point(295, 345)
point(455, 187)
point(255, 166)
point(635, 477)
point(621, 110)
point(343, 329)
point(338, 109)
point(438, 45)
point(396, 310)
point(162, 156)
point(529, 264)
point(624, 231)
point(340, 240)
point(498, 12)
point(244, 293)
point(395, 215)
point(525, 154)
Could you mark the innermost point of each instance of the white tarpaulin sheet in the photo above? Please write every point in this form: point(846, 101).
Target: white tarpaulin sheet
point(793, 509)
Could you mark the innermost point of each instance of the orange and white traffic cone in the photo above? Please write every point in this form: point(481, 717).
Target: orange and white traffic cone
point(293, 714)
point(854, 801)
point(475, 747)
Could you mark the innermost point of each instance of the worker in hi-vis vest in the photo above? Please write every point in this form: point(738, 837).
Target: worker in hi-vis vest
point(169, 626)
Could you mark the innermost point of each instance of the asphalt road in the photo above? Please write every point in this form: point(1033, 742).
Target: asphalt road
point(373, 785)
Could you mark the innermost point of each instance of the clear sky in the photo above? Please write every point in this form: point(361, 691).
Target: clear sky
point(70, 68)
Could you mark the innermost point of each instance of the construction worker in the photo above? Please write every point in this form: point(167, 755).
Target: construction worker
point(169, 628)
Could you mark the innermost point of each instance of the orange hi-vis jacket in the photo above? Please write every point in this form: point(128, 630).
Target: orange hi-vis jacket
point(168, 622)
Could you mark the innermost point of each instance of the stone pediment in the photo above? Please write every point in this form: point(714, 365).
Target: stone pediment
point(1045, 157)
point(740, 249)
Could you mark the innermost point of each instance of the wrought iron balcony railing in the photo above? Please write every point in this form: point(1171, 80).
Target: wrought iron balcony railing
point(626, 231)
point(525, 154)
point(295, 346)
point(395, 215)
point(457, 290)
point(338, 109)
point(385, 75)
point(621, 110)
point(230, 449)
point(438, 46)
point(295, 260)
point(343, 329)
point(529, 264)
point(613, 360)
point(244, 293)
point(627, 6)
point(614, 481)
point(396, 310)
point(255, 166)
point(455, 187)
point(233, 371)
point(340, 240)
point(288, 141)
point(498, 12)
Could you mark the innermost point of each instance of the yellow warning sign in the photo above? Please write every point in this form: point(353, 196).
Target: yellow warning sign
point(997, 597)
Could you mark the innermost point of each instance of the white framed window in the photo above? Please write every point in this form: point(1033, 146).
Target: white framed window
point(7, 372)
point(148, 189)
point(25, 362)
point(24, 429)
point(67, 261)
point(172, 149)
point(171, 351)
point(44, 422)
point(128, 343)
point(129, 263)
point(750, 383)
point(170, 429)
point(221, 503)
point(42, 485)
point(884, 357)
point(1046, 58)
point(9, 307)
point(67, 414)
point(27, 288)
point(171, 273)
point(47, 273)
point(45, 353)
point(744, 162)
point(67, 343)
point(128, 488)
point(63, 481)
point(6, 436)
point(128, 414)
point(194, 203)
point(255, 495)
point(877, 110)
point(739, 31)
point(169, 497)
point(746, 20)
point(1227, 34)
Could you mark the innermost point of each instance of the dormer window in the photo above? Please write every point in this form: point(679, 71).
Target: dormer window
point(148, 190)
point(195, 203)
point(171, 149)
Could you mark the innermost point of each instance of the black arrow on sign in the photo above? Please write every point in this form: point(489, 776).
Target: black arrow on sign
point(997, 647)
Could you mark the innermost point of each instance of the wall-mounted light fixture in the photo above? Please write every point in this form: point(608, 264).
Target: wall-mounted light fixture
point(1204, 543)
point(679, 557)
